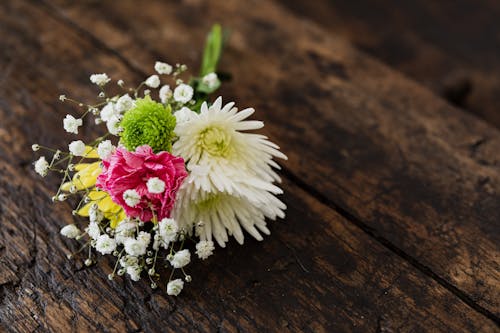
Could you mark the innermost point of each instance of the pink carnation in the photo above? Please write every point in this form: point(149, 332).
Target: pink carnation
point(126, 170)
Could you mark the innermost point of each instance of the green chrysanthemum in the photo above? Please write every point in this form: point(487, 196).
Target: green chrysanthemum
point(148, 123)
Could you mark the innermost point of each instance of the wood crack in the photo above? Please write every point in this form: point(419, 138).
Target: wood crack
point(344, 212)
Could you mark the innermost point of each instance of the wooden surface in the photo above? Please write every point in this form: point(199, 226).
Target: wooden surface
point(452, 47)
point(393, 193)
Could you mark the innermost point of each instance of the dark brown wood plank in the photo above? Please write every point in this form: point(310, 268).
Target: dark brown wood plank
point(450, 46)
point(317, 272)
point(416, 173)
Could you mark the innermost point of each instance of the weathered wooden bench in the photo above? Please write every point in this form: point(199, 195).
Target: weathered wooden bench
point(393, 194)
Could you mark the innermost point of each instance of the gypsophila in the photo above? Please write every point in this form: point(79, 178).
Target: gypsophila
point(181, 259)
point(173, 165)
point(105, 244)
point(205, 249)
point(70, 231)
point(210, 80)
point(124, 103)
point(77, 148)
point(153, 81)
point(42, 166)
point(155, 185)
point(174, 287)
point(183, 93)
point(105, 149)
point(131, 197)
point(71, 124)
point(165, 93)
point(99, 79)
point(163, 68)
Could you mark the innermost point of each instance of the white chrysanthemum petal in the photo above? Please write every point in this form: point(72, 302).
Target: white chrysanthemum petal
point(231, 182)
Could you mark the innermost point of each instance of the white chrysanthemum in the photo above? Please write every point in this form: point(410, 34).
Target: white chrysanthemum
point(224, 215)
point(228, 168)
point(77, 148)
point(183, 115)
point(42, 166)
point(234, 159)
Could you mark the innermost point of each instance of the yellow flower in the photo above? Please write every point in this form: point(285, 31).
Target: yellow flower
point(85, 178)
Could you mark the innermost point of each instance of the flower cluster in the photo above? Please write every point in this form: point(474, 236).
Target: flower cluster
point(171, 169)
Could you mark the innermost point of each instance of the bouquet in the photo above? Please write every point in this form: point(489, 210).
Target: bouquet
point(172, 168)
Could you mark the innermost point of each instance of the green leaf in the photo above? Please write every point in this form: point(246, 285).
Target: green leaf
point(212, 51)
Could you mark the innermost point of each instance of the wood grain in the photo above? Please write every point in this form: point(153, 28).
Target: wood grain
point(450, 46)
point(318, 271)
point(409, 169)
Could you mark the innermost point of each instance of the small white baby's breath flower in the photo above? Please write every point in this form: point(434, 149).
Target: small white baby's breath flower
point(62, 98)
point(120, 83)
point(135, 247)
point(153, 81)
point(109, 111)
point(124, 103)
point(41, 166)
point(71, 124)
point(174, 287)
point(35, 147)
point(181, 258)
point(165, 93)
point(167, 229)
point(93, 230)
point(70, 231)
point(124, 231)
point(183, 93)
point(95, 215)
point(205, 249)
point(131, 197)
point(134, 272)
point(126, 261)
point(99, 79)
point(163, 68)
point(155, 185)
point(77, 148)
point(113, 125)
point(210, 79)
point(105, 244)
point(144, 238)
point(105, 149)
